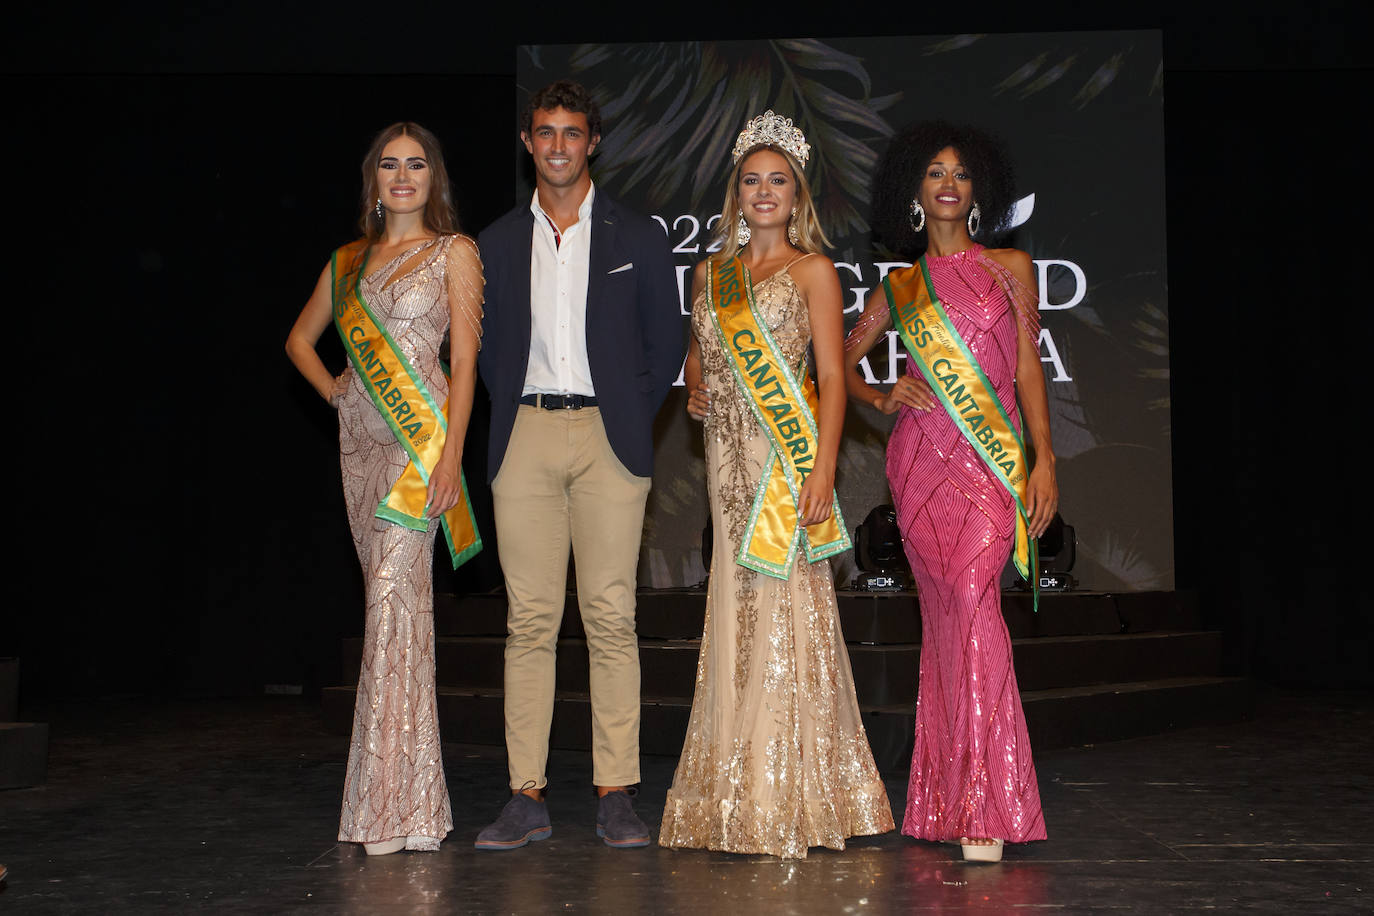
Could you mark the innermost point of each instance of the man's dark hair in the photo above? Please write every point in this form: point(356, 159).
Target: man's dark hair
point(568, 95)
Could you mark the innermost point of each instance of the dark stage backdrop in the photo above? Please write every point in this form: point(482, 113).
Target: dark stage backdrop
point(198, 212)
point(1083, 116)
point(185, 207)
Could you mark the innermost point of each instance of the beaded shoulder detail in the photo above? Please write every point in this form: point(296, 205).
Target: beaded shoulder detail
point(1023, 299)
point(464, 281)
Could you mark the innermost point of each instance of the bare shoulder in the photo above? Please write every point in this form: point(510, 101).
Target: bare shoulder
point(814, 267)
point(815, 274)
point(462, 246)
point(1016, 261)
point(1010, 258)
point(817, 280)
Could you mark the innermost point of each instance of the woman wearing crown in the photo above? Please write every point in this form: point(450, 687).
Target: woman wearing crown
point(776, 759)
point(966, 493)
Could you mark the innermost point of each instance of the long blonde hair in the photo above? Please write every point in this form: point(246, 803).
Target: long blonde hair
point(810, 238)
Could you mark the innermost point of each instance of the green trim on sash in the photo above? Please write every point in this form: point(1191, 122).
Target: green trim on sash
point(399, 506)
point(930, 339)
point(409, 370)
point(772, 533)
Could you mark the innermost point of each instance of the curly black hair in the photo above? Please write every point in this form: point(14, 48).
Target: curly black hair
point(904, 163)
point(568, 95)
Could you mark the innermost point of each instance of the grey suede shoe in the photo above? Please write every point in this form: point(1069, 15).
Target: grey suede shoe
point(617, 823)
point(523, 819)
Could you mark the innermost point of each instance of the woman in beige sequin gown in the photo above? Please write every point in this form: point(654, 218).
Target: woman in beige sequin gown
point(776, 759)
point(421, 280)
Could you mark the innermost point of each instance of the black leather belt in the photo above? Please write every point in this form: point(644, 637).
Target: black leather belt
point(559, 401)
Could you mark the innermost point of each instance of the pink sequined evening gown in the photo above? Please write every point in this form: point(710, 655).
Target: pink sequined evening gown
point(394, 786)
point(971, 769)
point(775, 759)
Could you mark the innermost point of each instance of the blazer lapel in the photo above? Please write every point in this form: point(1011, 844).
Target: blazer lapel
point(523, 240)
point(604, 227)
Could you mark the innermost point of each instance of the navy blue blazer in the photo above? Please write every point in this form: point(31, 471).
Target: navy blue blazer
point(635, 337)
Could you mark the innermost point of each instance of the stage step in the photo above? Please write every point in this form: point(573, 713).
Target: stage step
point(883, 675)
point(1092, 666)
point(877, 618)
point(1072, 716)
point(1065, 717)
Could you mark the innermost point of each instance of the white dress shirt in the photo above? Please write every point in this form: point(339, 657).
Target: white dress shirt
point(559, 265)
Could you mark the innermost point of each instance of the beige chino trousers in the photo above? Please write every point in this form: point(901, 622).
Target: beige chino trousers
point(561, 487)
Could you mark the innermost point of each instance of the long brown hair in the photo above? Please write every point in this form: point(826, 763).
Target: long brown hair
point(441, 217)
point(810, 238)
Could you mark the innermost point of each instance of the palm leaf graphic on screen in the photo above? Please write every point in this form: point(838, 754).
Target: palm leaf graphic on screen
point(1078, 71)
point(1126, 323)
point(673, 111)
point(671, 129)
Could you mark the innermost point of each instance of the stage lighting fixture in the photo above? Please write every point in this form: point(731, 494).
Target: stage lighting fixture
point(878, 553)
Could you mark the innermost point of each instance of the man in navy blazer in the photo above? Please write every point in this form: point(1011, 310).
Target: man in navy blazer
point(582, 339)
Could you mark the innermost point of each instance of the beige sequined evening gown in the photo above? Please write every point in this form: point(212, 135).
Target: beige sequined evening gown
point(776, 759)
point(394, 786)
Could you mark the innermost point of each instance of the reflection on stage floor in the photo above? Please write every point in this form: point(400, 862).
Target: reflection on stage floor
point(233, 804)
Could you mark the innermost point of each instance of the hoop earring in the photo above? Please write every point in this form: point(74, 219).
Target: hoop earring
point(742, 234)
point(381, 214)
point(917, 211)
point(975, 219)
point(792, 227)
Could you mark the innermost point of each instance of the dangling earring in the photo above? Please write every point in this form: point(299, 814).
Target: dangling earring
point(792, 227)
point(975, 219)
point(917, 212)
point(742, 234)
point(381, 214)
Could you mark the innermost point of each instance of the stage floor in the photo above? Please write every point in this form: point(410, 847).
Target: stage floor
point(232, 805)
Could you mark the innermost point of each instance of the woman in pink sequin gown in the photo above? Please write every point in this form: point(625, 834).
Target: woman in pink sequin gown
point(972, 778)
point(420, 280)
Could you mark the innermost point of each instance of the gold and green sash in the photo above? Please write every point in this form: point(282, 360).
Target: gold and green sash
point(399, 393)
point(968, 397)
point(786, 411)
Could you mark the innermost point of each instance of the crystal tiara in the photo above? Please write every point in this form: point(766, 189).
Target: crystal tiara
point(769, 129)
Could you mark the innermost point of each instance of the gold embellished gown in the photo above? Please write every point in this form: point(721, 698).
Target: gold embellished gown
point(394, 785)
point(776, 759)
